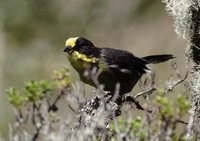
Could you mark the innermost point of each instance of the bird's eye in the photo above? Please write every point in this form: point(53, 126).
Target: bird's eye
point(83, 49)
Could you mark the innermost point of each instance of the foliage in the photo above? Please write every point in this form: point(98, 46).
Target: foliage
point(34, 96)
point(99, 118)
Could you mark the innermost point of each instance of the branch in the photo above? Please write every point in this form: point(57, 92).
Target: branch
point(150, 90)
point(180, 80)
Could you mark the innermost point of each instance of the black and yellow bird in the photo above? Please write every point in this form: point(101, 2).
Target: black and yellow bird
point(115, 66)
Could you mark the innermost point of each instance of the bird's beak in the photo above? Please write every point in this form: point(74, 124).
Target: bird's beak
point(67, 49)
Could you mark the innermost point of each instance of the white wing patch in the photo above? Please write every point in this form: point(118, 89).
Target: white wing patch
point(125, 70)
point(113, 66)
point(121, 70)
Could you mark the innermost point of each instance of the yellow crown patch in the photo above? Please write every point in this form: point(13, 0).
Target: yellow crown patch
point(71, 42)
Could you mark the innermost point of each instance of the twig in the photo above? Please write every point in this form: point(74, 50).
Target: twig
point(178, 121)
point(35, 136)
point(38, 128)
point(152, 89)
point(133, 100)
point(180, 80)
point(70, 107)
point(191, 122)
point(53, 107)
point(116, 94)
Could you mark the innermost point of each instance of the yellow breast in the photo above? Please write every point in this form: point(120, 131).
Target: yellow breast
point(81, 62)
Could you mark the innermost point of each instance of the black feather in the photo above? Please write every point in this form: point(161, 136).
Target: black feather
point(157, 58)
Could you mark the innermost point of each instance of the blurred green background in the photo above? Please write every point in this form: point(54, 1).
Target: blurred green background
point(33, 33)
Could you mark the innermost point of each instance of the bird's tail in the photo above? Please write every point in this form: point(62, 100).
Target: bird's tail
point(157, 58)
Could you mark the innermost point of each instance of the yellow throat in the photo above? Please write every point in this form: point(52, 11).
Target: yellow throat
point(77, 55)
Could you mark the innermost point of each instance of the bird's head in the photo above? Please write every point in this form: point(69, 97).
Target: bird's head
point(83, 48)
point(79, 44)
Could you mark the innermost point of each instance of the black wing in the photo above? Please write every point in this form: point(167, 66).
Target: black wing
point(124, 61)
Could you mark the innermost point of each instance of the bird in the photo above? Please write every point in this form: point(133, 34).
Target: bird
point(114, 66)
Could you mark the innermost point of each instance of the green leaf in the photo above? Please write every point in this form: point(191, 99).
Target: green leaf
point(45, 86)
point(15, 98)
point(62, 77)
point(32, 91)
point(183, 104)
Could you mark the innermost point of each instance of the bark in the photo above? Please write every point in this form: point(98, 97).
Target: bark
point(195, 39)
